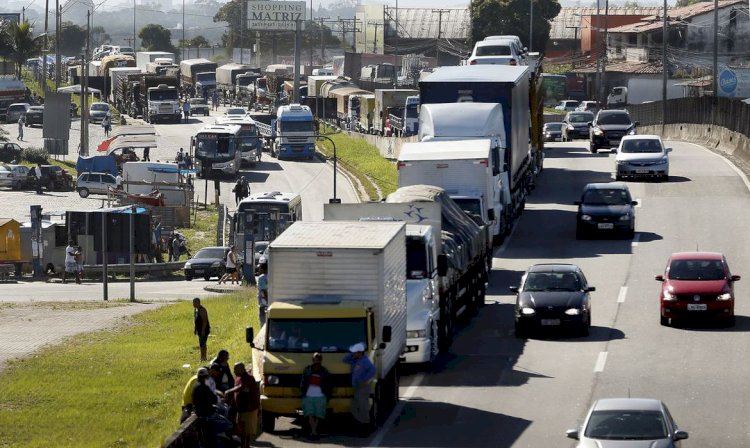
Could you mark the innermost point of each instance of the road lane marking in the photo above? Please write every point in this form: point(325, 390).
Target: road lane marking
point(410, 391)
point(636, 239)
point(622, 294)
point(600, 362)
point(727, 161)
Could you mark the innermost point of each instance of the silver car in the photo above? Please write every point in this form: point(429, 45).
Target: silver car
point(94, 183)
point(15, 111)
point(14, 176)
point(642, 156)
point(628, 423)
point(98, 111)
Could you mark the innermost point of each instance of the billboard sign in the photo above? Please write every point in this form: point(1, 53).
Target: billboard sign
point(274, 15)
point(734, 82)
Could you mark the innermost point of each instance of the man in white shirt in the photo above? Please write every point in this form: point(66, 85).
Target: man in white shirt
point(38, 175)
point(71, 264)
point(118, 182)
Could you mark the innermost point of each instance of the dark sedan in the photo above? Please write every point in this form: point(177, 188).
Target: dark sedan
point(609, 127)
point(552, 132)
point(208, 262)
point(606, 207)
point(35, 115)
point(553, 296)
point(576, 125)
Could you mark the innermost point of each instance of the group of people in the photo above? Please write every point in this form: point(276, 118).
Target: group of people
point(183, 159)
point(241, 190)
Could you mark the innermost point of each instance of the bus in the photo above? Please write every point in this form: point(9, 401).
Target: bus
point(262, 217)
point(251, 143)
point(555, 88)
point(216, 151)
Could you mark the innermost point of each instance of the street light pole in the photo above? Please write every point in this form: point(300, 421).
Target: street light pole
point(183, 30)
point(664, 70)
point(531, 25)
point(334, 200)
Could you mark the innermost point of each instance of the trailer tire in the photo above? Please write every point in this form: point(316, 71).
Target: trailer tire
point(445, 325)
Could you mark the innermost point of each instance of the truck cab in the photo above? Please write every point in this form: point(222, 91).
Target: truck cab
point(205, 83)
point(163, 104)
point(295, 133)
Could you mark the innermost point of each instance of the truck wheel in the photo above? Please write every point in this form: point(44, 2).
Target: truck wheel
point(445, 326)
point(434, 345)
point(267, 421)
point(83, 192)
point(375, 410)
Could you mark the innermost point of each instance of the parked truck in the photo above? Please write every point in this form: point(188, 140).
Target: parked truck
point(226, 77)
point(338, 284)
point(198, 74)
point(516, 89)
point(143, 58)
point(422, 250)
point(244, 87)
point(464, 255)
point(361, 112)
point(405, 122)
point(161, 66)
point(387, 102)
point(116, 75)
point(11, 91)
point(155, 98)
point(294, 132)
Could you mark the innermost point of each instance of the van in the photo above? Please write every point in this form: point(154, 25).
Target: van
point(15, 111)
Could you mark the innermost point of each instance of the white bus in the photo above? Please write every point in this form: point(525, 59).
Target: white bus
point(217, 150)
point(251, 143)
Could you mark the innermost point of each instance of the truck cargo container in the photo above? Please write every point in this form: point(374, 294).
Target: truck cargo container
point(387, 102)
point(143, 58)
point(198, 74)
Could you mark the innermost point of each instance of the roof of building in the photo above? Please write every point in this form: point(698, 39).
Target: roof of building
point(422, 23)
point(567, 23)
point(643, 68)
point(675, 16)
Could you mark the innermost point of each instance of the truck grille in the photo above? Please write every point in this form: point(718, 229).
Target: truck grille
point(165, 109)
point(297, 139)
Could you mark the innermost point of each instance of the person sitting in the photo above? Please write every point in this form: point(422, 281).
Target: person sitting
point(204, 405)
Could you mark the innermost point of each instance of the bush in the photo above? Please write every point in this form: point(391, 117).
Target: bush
point(35, 155)
point(3, 135)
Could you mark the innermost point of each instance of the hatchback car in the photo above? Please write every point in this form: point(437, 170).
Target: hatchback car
point(207, 262)
point(15, 111)
point(588, 106)
point(14, 176)
point(552, 132)
point(553, 295)
point(576, 125)
point(497, 51)
point(10, 152)
point(567, 105)
point(642, 156)
point(35, 115)
point(605, 207)
point(98, 111)
point(628, 423)
point(199, 106)
point(94, 183)
point(609, 127)
point(697, 284)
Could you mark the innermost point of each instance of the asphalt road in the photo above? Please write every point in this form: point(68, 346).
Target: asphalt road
point(494, 390)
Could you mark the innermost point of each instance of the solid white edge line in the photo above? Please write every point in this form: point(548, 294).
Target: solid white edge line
point(636, 239)
point(600, 362)
point(410, 391)
point(739, 172)
point(623, 293)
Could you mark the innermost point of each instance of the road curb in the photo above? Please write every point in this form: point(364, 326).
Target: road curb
point(351, 178)
point(226, 289)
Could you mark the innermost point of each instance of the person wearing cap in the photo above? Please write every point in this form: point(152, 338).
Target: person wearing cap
point(202, 327)
point(204, 406)
point(316, 389)
point(247, 403)
point(363, 371)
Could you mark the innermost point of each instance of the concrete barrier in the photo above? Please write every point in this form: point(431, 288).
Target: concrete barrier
point(389, 147)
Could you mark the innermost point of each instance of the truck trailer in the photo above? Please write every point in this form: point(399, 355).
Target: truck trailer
point(387, 102)
point(198, 74)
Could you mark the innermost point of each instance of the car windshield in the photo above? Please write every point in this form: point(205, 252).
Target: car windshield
point(581, 118)
point(210, 253)
point(195, 101)
point(236, 111)
point(493, 50)
point(553, 126)
point(100, 107)
point(696, 270)
point(626, 425)
point(309, 336)
point(614, 119)
point(260, 246)
point(641, 145)
point(552, 281)
point(606, 196)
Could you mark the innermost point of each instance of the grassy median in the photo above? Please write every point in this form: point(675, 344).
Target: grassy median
point(121, 387)
point(364, 162)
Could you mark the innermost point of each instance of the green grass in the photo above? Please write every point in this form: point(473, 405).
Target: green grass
point(364, 162)
point(203, 231)
point(117, 388)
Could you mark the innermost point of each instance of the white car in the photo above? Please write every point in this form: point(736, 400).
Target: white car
point(496, 51)
point(567, 105)
point(642, 156)
point(235, 112)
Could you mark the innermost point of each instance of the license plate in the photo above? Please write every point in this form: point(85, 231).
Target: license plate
point(606, 225)
point(697, 307)
point(614, 142)
point(550, 322)
point(199, 271)
point(641, 171)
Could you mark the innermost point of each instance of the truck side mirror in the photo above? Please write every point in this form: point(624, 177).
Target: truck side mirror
point(387, 333)
point(249, 336)
point(442, 265)
point(491, 214)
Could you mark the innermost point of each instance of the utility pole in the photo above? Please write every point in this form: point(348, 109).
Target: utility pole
point(297, 59)
point(322, 40)
point(182, 46)
point(23, 14)
point(664, 35)
point(598, 55)
point(606, 47)
point(242, 30)
point(46, 47)
point(395, 49)
point(58, 59)
point(531, 25)
point(257, 48)
point(440, 31)
point(376, 24)
point(85, 91)
point(715, 82)
point(134, 35)
point(312, 21)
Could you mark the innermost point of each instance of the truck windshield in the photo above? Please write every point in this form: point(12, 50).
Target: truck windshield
point(164, 95)
point(296, 126)
point(416, 259)
point(245, 81)
point(469, 205)
point(205, 77)
point(411, 112)
point(315, 335)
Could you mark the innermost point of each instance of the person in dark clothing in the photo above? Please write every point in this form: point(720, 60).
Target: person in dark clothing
point(202, 327)
point(245, 190)
point(226, 380)
point(316, 390)
point(247, 403)
point(237, 190)
point(146, 152)
point(204, 406)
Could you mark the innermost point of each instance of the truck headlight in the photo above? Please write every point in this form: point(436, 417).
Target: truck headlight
point(416, 334)
point(272, 380)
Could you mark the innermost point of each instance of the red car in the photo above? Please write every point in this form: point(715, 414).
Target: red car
point(697, 284)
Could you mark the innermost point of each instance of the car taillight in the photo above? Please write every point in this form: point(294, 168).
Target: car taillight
point(513, 62)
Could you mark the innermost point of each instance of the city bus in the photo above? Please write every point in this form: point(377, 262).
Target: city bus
point(216, 151)
point(251, 143)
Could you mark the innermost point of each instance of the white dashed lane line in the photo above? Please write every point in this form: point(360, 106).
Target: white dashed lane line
point(623, 293)
point(600, 362)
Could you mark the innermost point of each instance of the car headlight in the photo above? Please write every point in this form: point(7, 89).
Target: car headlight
point(272, 380)
point(188, 265)
point(725, 296)
point(625, 217)
point(573, 311)
point(216, 264)
point(598, 132)
point(416, 334)
point(668, 296)
point(526, 311)
point(585, 218)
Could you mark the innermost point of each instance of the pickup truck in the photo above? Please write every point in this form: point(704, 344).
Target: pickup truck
point(199, 106)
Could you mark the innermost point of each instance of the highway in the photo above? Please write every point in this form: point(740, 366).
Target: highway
point(494, 390)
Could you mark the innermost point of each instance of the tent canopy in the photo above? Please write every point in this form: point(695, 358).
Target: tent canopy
point(77, 89)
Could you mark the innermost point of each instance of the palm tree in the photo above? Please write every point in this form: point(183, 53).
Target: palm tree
point(19, 44)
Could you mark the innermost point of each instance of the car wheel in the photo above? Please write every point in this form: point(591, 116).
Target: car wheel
point(730, 321)
point(586, 327)
point(16, 185)
point(207, 277)
point(594, 149)
point(664, 177)
point(618, 177)
point(267, 421)
point(664, 321)
point(83, 192)
point(188, 277)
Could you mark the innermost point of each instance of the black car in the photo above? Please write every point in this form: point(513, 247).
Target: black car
point(35, 115)
point(553, 296)
point(552, 132)
point(609, 127)
point(208, 262)
point(54, 178)
point(576, 125)
point(605, 207)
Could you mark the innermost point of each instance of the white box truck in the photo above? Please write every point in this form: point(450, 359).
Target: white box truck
point(332, 285)
point(143, 58)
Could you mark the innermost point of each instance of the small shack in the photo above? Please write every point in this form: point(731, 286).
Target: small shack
point(10, 241)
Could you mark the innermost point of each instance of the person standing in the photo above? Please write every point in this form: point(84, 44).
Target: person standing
point(247, 403)
point(186, 109)
point(118, 181)
point(176, 248)
point(180, 157)
point(38, 175)
point(107, 124)
point(202, 327)
point(316, 390)
point(363, 371)
point(146, 153)
point(231, 267)
point(245, 190)
point(237, 190)
point(21, 123)
point(215, 100)
point(262, 282)
point(71, 264)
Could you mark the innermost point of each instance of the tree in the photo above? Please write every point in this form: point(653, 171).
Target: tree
point(199, 41)
point(18, 44)
point(500, 17)
point(156, 38)
point(99, 36)
point(630, 4)
point(681, 3)
point(72, 39)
